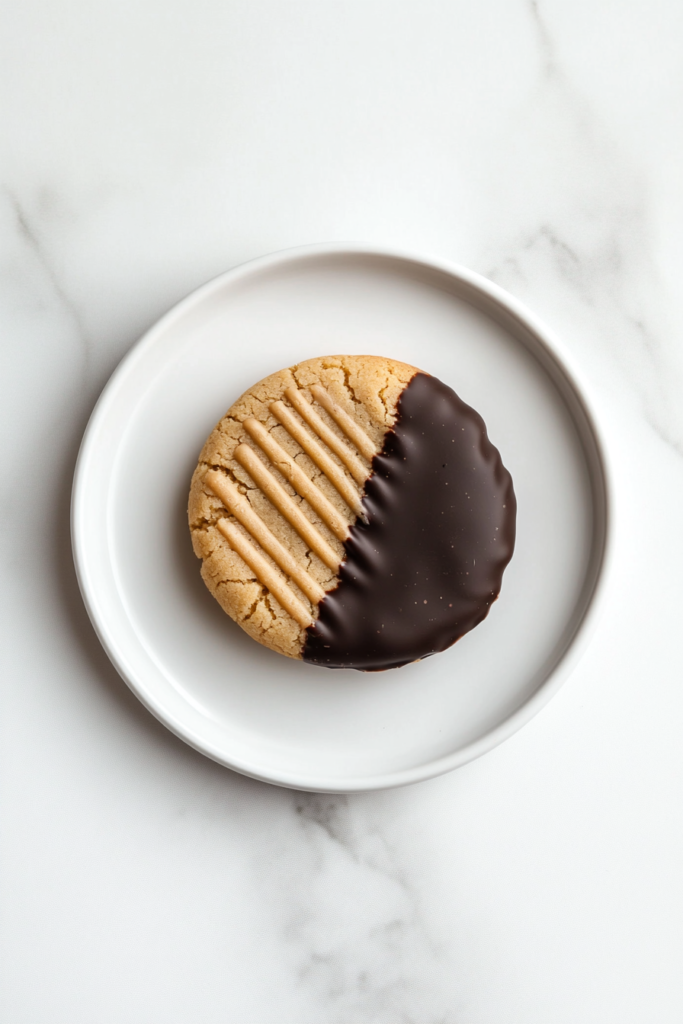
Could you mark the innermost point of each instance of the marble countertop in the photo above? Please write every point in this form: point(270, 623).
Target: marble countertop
point(148, 147)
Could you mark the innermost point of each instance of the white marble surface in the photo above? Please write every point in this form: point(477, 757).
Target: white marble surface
point(149, 146)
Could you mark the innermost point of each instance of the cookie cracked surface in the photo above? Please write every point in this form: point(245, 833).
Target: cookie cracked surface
point(367, 389)
point(322, 513)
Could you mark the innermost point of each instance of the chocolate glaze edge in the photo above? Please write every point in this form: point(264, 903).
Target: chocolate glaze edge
point(426, 566)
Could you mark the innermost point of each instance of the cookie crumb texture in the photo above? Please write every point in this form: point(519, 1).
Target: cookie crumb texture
point(364, 388)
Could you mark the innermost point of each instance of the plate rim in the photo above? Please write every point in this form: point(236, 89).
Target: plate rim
point(557, 354)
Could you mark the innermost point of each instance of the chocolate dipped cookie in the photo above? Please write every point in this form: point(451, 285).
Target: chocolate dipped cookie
point(351, 511)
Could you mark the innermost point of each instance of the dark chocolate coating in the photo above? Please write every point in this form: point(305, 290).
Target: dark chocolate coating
point(428, 563)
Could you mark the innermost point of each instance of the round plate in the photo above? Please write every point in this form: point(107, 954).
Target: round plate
point(251, 709)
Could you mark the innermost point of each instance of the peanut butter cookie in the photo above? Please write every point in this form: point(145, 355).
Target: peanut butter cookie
point(350, 511)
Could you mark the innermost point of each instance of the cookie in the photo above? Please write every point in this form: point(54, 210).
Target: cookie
point(351, 511)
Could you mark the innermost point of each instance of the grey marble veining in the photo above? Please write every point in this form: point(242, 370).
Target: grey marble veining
point(358, 951)
point(147, 148)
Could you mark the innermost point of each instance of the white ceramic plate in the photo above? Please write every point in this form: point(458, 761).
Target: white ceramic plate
point(250, 709)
